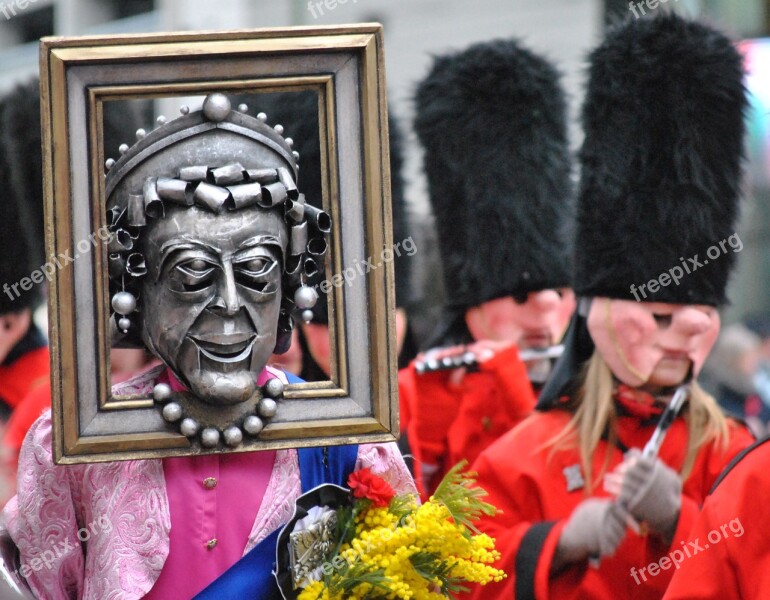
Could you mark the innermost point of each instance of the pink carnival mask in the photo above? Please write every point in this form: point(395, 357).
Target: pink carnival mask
point(652, 343)
point(537, 321)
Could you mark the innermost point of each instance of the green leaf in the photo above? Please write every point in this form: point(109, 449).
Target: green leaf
point(463, 498)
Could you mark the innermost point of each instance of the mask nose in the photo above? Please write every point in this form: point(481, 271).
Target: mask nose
point(544, 300)
point(689, 321)
point(226, 302)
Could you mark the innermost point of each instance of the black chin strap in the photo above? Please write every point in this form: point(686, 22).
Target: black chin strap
point(578, 348)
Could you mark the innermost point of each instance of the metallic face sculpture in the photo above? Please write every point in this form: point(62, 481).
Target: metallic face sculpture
point(650, 344)
point(211, 250)
point(214, 285)
point(537, 321)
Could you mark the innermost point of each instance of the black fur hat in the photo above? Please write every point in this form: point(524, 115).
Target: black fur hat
point(22, 239)
point(661, 164)
point(298, 113)
point(21, 222)
point(492, 121)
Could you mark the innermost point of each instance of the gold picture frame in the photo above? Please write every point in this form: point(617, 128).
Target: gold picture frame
point(345, 66)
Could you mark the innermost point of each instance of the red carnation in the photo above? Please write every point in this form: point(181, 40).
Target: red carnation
point(365, 484)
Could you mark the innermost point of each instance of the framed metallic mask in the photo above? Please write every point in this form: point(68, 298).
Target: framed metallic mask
point(194, 241)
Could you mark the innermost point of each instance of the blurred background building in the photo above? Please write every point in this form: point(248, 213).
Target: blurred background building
point(564, 30)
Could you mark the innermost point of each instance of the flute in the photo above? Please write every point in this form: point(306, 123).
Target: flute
point(468, 359)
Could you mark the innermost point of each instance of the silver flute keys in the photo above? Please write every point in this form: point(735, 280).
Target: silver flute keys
point(465, 358)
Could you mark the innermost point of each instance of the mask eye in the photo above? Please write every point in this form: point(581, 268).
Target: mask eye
point(662, 321)
point(195, 274)
point(257, 273)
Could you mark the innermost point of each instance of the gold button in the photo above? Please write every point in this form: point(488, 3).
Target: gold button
point(210, 483)
point(211, 544)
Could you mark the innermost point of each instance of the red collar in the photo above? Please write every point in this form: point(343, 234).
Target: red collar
point(637, 403)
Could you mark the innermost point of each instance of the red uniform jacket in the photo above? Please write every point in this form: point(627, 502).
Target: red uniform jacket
point(23, 375)
point(448, 422)
point(538, 489)
point(728, 555)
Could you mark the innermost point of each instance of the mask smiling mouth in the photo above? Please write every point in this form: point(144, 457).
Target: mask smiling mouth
point(225, 348)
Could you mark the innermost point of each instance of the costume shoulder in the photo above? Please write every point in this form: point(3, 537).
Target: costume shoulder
point(527, 439)
point(748, 462)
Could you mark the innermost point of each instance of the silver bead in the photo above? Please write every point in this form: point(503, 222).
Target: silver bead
point(161, 120)
point(184, 109)
point(305, 297)
point(233, 436)
point(189, 427)
point(307, 315)
point(210, 437)
point(124, 324)
point(279, 129)
point(243, 108)
point(216, 107)
point(109, 163)
point(262, 117)
point(267, 408)
point(253, 425)
point(273, 388)
point(162, 392)
point(172, 412)
point(140, 133)
point(289, 142)
point(295, 154)
point(124, 303)
point(123, 148)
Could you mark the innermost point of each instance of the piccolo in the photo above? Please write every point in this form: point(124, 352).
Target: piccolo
point(670, 413)
point(468, 359)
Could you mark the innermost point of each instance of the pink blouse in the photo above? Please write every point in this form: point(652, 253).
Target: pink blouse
point(106, 531)
point(213, 501)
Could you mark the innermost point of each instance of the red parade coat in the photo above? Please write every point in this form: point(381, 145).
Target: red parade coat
point(537, 489)
point(24, 374)
point(449, 421)
point(729, 548)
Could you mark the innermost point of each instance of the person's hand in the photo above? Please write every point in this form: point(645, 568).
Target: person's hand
point(652, 493)
point(594, 529)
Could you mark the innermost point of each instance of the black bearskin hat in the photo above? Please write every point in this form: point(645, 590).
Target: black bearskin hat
point(661, 164)
point(492, 121)
point(22, 241)
point(21, 216)
point(298, 113)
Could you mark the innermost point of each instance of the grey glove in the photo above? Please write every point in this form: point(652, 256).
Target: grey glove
point(652, 493)
point(595, 528)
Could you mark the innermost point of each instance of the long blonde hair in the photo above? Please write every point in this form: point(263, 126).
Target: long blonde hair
point(594, 415)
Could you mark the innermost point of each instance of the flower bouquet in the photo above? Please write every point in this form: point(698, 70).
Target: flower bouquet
point(367, 543)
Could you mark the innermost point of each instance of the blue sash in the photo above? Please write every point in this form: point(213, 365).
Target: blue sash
point(251, 577)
